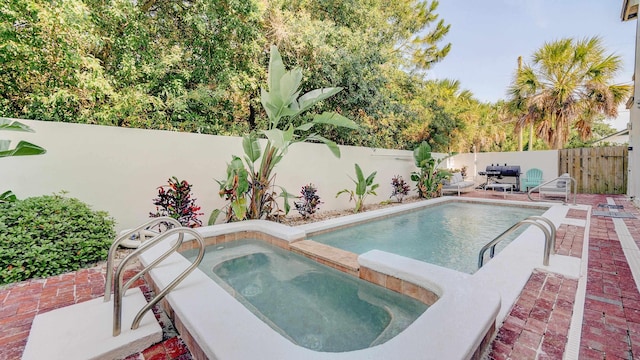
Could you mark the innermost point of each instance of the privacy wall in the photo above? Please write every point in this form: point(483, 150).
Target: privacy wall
point(119, 169)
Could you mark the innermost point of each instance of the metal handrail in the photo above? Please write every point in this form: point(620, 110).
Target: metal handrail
point(552, 230)
point(549, 239)
point(120, 289)
point(127, 235)
point(573, 182)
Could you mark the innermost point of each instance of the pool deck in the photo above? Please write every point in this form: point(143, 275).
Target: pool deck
point(537, 326)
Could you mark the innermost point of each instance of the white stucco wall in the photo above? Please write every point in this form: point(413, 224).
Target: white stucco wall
point(545, 160)
point(119, 169)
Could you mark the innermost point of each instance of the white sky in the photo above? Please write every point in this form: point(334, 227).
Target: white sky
point(488, 36)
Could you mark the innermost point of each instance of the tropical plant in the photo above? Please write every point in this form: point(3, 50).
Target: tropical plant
point(568, 85)
point(22, 148)
point(50, 235)
point(250, 190)
point(400, 188)
point(429, 178)
point(310, 201)
point(174, 200)
point(364, 188)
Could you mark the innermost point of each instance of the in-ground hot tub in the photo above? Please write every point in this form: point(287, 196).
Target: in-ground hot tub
point(314, 306)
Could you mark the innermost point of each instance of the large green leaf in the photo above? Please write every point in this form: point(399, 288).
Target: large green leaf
point(359, 174)
point(335, 119)
point(239, 208)
point(276, 137)
point(12, 125)
point(330, 144)
point(276, 70)
point(280, 139)
point(243, 182)
point(251, 147)
point(214, 216)
point(361, 188)
point(306, 101)
point(422, 154)
point(305, 126)
point(235, 165)
point(286, 196)
point(23, 148)
point(370, 178)
point(8, 196)
point(289, 85)
point(268, 104)
point(236, 168)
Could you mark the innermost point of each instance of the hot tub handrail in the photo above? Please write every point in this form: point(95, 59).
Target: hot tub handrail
point(574, 182)
point(549, 240)
point(127, 235)
point(120, 289)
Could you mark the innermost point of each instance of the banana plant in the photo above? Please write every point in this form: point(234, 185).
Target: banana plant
point(429, 178)
point(364, 188)
point(23, 148)
point(250, 185)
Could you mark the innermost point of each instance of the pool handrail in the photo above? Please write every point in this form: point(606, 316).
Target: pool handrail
point(549, 238)
point(566, 178)
point(141, 231)
point(120, 289)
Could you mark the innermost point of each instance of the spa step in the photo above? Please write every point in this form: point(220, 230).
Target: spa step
point(84, 331)
point(327, 255)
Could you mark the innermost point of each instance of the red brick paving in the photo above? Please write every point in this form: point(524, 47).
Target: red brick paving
point(538, 324)
point(536, 327)
point(569, 239)
point(21, 302)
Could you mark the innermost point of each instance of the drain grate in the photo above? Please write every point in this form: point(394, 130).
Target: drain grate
point(622, 215)
point(609, 206)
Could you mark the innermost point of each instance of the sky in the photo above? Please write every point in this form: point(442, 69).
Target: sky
point(488, 36)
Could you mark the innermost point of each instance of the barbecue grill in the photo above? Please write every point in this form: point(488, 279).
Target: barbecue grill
point(499, 172)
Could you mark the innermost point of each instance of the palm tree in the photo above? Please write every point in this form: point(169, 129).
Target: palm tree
point(568, 84)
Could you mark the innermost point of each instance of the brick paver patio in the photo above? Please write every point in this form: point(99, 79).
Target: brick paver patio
point(536, 327)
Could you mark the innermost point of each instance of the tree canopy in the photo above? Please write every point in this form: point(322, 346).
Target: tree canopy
point(196, 66)
point(568, 85)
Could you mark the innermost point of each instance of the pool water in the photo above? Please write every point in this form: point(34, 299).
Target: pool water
point(312, 305)
point(450, 235)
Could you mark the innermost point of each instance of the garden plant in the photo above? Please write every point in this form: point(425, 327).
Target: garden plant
point(249, 187)
point(50, 235)
point(429, 178)
point(174, 200)
point(22, 148)
point(400, 188)
point(309, 201)
point(364, 188)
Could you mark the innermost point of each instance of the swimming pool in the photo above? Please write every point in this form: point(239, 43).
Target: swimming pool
point(449, 234)
point(323, 310)
point(215, 324)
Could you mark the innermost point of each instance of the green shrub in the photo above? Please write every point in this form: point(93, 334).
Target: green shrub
point(50, 235)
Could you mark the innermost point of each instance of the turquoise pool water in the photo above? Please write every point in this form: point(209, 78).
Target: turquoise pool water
point(310, 304)
point(449, 235)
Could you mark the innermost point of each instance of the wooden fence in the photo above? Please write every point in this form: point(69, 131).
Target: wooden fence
point(598, 170)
